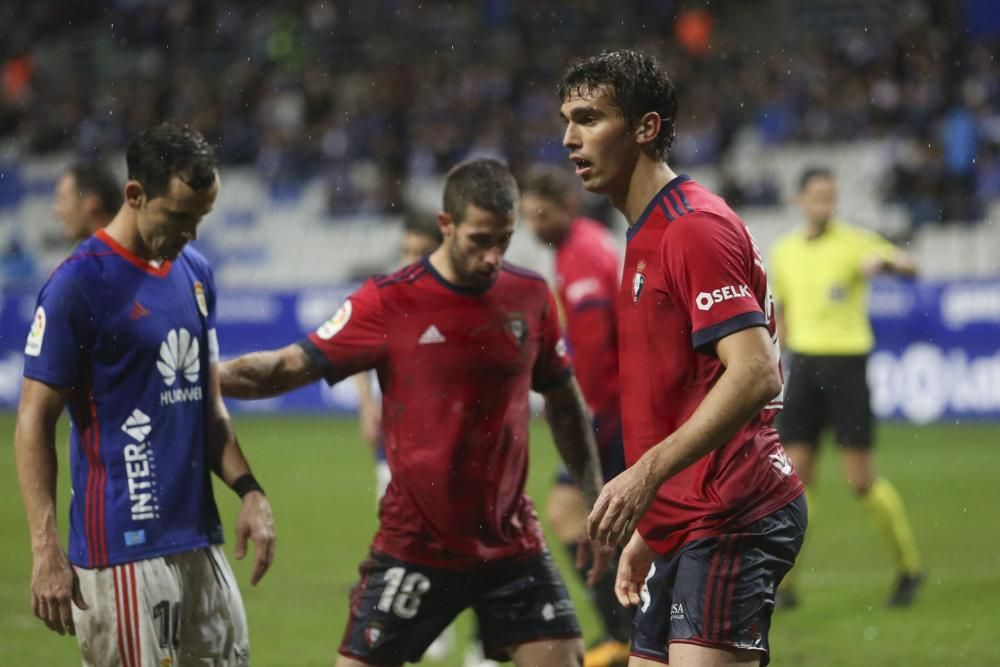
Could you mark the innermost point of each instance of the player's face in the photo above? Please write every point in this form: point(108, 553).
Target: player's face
point(548, 219)
point(414, 246)
point(477, 244)
point(69, 208)
point(818, 199)
point(600, 143)
point(166, 223)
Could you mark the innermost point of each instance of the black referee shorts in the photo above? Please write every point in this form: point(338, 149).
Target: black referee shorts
point(827, 392)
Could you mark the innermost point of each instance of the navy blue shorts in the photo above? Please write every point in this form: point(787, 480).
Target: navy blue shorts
point(611, 449)
point(398, 608)
point(719, 591)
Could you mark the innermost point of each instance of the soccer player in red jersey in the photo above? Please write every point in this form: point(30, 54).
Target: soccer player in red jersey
point(457, 340)
point(710, 509)
point(587, 266)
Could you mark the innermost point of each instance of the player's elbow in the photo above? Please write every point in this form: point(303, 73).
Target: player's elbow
point(767, 380)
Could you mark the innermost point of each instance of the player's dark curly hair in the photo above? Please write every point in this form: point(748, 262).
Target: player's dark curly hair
point(483, 182)
point(168, 150)
point(637, 85)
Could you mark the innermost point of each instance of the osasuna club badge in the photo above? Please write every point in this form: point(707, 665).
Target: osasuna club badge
point(638, 281)
point(199, 296)
point(518, 328)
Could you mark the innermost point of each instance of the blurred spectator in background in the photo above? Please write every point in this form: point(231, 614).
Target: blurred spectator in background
point(371, 94)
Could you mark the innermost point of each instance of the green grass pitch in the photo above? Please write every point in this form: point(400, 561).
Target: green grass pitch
point(319, 478)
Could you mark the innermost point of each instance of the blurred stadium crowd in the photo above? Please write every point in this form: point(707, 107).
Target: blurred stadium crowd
point(367, 95)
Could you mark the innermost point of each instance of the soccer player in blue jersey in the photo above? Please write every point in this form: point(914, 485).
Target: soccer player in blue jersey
point(124, 336)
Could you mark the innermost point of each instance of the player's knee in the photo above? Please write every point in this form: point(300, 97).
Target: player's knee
point(572, 654)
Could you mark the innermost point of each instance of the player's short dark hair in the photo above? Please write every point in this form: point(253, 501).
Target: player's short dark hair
point(483, 182)
point(94, 178)
point(167, 150)
point(550, 183)
point(636, 84)
point(815, 171)
point(422, 224)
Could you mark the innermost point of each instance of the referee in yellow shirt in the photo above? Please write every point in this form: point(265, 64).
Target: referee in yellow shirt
point(820, 280)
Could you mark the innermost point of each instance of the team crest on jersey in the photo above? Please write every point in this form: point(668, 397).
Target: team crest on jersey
point(373, 633)
point(638, 281)
point(332, 326)
point(518, 327)
point(199, 296)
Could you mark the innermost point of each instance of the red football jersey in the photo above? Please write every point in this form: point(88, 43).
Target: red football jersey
point(455, 366)
point(587, 267)
point(693, 276)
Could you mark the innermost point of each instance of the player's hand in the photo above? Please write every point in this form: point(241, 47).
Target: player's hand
point(621, 504)
point(598, 555)
point(873, 265)
point(54, 586)
point(256, 522)
point(633, 567)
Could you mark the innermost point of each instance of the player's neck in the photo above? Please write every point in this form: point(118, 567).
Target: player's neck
point(441, 262)
point(816, 229)
point(125, 232)
point(648, 178)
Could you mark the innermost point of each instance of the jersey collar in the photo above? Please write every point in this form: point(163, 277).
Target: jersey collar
point(132, 258)
point(675, 182)
point(461, 289)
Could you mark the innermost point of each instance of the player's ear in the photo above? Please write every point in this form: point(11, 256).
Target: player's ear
point(135, 194)
point(445, 223)
point(648, 127)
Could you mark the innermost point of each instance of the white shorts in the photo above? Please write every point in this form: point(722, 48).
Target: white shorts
point(171, 611)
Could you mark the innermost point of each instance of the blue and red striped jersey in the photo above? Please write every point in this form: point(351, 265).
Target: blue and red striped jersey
point(133, 343)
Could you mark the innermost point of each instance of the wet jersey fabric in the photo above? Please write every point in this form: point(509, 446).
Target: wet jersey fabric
point(587, 270)
point(133, 343)
point(455, 366)
point(693, 276)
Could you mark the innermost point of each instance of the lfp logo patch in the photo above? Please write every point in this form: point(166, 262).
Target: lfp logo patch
point(33, 347)
point(332, 326)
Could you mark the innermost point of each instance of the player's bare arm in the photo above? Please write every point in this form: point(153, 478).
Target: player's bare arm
point(369, 410)
point(751, 379)
point(900, 263)
point(574, 438)
point(54, 584)
point(266, 374)
point(255, 520)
